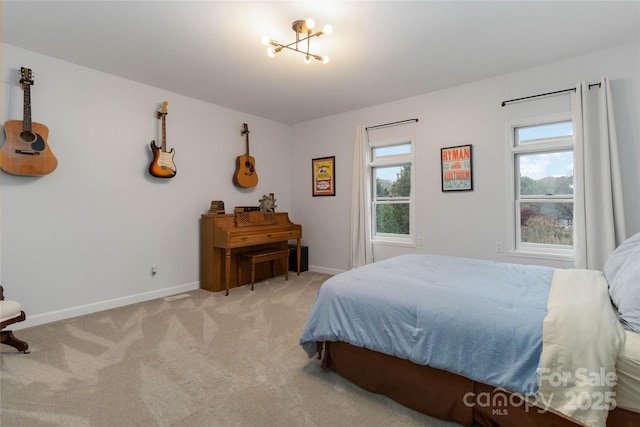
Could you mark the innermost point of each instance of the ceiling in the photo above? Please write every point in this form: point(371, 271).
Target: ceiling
point(380, 51)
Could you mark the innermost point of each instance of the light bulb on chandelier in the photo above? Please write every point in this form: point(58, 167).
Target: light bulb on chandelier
point(301, 28)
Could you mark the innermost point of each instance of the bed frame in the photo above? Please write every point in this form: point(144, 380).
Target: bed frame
point(442, 394)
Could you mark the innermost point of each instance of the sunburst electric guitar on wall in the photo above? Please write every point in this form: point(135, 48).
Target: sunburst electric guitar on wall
point(245, 175)
point(162, 165)
point(26, 151)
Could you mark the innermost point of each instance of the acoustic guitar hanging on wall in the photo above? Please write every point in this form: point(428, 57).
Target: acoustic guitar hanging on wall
point(245, 175)
point(162, 165)
point(26, 151)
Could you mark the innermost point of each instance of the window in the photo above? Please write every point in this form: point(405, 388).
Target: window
point(542, 186)
point(392, 192)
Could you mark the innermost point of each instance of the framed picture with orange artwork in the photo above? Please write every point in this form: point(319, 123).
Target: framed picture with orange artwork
point(324, 176)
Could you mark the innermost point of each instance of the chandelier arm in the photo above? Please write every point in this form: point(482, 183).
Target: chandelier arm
point(318, 57)
point(318, 34)
point(288, 46)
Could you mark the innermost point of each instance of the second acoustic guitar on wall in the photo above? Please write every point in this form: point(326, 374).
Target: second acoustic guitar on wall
point(245, 174)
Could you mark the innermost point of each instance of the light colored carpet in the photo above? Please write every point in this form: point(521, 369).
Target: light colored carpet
point(205, 360)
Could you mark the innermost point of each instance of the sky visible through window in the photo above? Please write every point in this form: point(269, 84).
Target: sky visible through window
point(549, 164)
point(390, 173)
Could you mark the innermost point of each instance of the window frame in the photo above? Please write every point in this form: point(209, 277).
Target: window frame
point(557, 144)
point(398, 160)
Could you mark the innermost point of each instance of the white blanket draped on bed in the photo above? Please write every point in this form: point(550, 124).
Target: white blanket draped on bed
point(581, 340)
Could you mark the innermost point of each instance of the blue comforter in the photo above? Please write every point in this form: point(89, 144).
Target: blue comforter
point(479, 319)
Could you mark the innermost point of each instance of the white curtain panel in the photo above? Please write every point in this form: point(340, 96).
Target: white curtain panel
point(361, 249)
point(598, 211)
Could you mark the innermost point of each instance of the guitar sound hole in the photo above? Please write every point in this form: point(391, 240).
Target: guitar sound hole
point(249, 166)
point(28, 137)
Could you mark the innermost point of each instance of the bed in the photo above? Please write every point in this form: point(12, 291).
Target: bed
point(488, 343)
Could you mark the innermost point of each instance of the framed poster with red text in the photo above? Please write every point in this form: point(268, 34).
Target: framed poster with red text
point(456, 168)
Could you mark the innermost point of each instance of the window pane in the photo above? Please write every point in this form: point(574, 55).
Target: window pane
point(545, 173)
point(391, 194)
point(392, 150)
point(392, 218)
point(393, 181)
point(531, 134)
point(547, 223)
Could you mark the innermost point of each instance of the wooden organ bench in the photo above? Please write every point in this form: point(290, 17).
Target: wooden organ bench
point(263, 255)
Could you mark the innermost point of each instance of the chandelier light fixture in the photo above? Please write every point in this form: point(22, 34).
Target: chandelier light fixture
point(304, 32)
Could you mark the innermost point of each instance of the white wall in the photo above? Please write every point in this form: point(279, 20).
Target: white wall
point(465, 223)
point(85, 237)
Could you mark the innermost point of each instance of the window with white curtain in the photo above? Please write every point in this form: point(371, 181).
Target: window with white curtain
point(542, 186)
point(392, 173)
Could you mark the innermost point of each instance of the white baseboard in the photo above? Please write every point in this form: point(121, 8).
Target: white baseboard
point(53, 316)
point(324, 270)
point(68, 313)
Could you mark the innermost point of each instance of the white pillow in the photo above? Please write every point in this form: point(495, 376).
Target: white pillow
point(622, 271)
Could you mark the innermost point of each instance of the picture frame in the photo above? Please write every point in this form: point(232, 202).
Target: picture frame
point(456, 168)
point(323, 171)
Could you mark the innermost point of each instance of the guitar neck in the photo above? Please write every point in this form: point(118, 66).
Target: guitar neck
point(163, 146)
point(26, 109)
point(245, 131)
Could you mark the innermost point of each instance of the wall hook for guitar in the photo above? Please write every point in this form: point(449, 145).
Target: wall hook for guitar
point(245, 174)
point(162, 165)
point(26, 151)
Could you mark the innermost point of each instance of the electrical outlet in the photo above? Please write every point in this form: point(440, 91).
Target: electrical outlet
point(420, 241)
point(499, 247)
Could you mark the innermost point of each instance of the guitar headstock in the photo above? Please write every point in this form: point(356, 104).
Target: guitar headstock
point(26, 78)
point(245, 129)
point(163, 109)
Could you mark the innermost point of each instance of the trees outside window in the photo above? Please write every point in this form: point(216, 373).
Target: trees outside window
point(392, 192)
point(543, 190)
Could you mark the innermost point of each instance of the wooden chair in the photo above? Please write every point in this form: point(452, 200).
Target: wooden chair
point(10, 313)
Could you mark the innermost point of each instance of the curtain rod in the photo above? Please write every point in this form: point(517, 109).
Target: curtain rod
point(391, 124)
point(573, 89)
